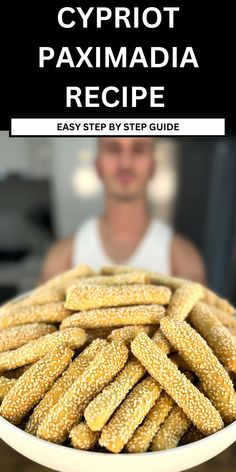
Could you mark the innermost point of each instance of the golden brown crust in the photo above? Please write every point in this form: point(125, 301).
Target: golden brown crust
point(35, 350)
point(82, 437)
point(218, 337)
point(214, 378)
point(171, 431)
point(113, 317)
point(195, 405)
point(5, 386)
point(144, 434)
point(183, 300)
point(69, 409)
point(60, 387)
point(88, 297)
point(48, 313)
point(129, 415)
point(99, 411)
point(16, 336)
point(34, 383)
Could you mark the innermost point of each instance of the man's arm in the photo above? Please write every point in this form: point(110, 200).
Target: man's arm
point(186, 260)
point(58, 259)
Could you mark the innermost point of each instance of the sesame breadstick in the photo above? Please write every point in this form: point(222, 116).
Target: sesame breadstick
point(16, 336)
point(135, 277)
point(82, 437)
point(34, 350)
point(66, 278)
point(183, 300)
point(63, 384)
point(213, 299)
point(152, 277)
point(171, 431)
point(119, 316)
point(88, 297)
point(34, 383)
point(129, 415)
point(162, 342)
point(69, 409)
point(48, 313)
point(104, 404)
point(214, 378)
point(195, 405)
point(128, 333)
point(227, 320)
point(5, 386)
point(173, 283)
point(216, 334)
point(36, 297)
point(192, 435)
point(144, 434)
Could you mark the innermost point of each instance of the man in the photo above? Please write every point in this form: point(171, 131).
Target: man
point(126, 233)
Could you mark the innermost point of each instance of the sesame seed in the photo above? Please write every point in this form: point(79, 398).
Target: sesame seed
point(129, 415)
point(16, 336)
point(70, 407)
point(34, 383)
point(87, 297)
point(216, 334)
point(122, 316)
point(214, 378)
point(144, 434)
point(63, 384)
point(171, 431)
point(101, 408)
point(82, 437)
point(34, 350)
point(195, 405)
point(48, 313)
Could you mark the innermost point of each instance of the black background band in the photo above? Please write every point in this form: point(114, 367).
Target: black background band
point(208, 91)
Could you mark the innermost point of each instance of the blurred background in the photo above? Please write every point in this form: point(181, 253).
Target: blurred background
point(48, 187)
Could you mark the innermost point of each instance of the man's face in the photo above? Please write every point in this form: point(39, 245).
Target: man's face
point(125, 166)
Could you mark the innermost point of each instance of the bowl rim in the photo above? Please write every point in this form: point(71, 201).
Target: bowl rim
point(73, 451)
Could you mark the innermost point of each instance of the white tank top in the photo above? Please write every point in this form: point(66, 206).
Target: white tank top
point(152, 253)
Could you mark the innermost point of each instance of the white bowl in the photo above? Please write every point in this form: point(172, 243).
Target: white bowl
point(66, 459)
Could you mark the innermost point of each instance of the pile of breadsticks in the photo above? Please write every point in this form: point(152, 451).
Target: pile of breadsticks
point(121, 360)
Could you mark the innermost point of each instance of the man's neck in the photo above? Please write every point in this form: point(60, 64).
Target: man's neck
point(126, 217)
point(122, 227)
